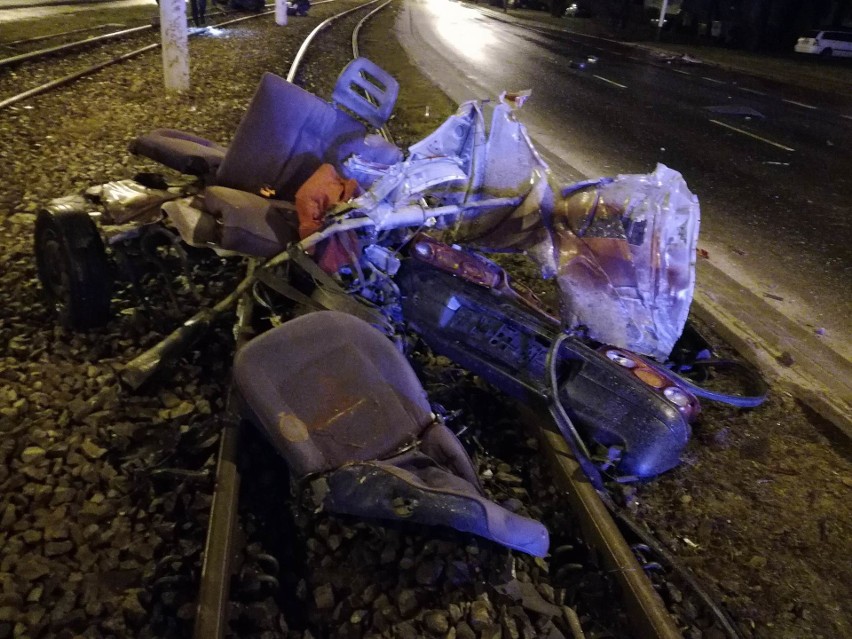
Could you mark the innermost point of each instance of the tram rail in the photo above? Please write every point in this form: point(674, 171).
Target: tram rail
point(87, 47)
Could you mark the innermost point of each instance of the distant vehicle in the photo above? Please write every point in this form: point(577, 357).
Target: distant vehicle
point(578, 10)
point(825, 43)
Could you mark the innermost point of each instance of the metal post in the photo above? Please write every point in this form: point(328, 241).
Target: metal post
point(173, 34)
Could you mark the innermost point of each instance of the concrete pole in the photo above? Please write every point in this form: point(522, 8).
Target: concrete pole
point(281, 13)
point(175, 43)
point(664, 5)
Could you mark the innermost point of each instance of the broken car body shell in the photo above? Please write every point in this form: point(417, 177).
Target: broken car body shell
point(622, 249)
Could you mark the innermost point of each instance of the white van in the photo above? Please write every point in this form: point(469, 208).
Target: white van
point(825, 43)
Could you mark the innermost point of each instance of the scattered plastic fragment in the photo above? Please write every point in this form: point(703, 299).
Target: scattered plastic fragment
point(736, 109)
point(785, 359)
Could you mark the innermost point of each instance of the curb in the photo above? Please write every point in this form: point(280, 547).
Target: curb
point(790, 357)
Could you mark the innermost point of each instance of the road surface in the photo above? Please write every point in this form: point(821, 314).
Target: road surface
point(772, 166)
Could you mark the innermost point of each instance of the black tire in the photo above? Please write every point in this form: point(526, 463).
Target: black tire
point(73, 268)
point(826, 53)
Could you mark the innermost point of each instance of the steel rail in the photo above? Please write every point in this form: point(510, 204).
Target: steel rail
point(68, 79)
point(116, 34)
point(357, 30)
point(214, 588)
point(322, 25)
point(53, 36)
point(356, 52)
point(59, 48)
point(647, 613)
point(216, 566)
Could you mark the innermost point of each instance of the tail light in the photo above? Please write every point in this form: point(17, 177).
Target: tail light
point(657, 379)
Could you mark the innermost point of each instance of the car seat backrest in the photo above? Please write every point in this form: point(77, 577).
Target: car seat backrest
point(284, 136)
point(367, 90)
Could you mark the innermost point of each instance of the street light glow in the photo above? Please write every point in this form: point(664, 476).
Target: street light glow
point(461, 24)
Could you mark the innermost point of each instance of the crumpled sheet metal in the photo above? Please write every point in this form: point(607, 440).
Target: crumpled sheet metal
point(624, 254)
point(502, 164)
point(622, 249)
point(126, 200)
point(406, 183)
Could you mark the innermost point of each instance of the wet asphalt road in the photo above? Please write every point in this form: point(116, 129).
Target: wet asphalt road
point(772, 165)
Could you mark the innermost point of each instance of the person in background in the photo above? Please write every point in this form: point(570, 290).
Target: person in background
point(199, 10)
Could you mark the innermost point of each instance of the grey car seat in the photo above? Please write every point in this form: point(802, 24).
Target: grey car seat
point(340, 402)
point(284, 136)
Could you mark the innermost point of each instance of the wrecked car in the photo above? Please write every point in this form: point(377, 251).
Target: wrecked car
point(387, 242)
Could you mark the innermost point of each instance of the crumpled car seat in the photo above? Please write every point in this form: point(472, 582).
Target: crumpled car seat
point(337, 399)
point(285, 135)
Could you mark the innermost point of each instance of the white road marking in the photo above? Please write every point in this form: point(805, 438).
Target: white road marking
point(600, 77)
point(801, 104)
point(681, 71)
point(848, 117)
point(756, 92)
point(704, 77)
point(752, 135)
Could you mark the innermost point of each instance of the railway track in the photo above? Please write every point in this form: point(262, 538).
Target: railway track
point(46, 68)
point(247, 521)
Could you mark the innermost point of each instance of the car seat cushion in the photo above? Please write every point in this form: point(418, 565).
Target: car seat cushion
point(251, 224)
point(328, 388)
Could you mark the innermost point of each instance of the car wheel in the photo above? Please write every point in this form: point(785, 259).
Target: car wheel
point(826, 53)
point(73, 268)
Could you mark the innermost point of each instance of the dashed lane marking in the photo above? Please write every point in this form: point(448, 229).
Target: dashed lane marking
point(704, 77)
point(600, 77)
point(801, 104)
point(755, 91)
point(681, 72)
point(752, 135)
